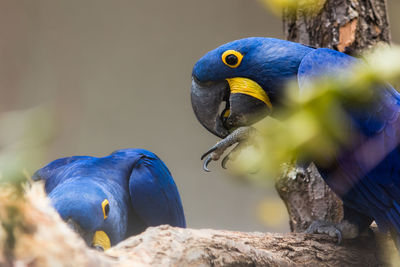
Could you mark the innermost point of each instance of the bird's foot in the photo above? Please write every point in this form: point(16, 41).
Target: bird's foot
point(240, 136)
point(342, 230)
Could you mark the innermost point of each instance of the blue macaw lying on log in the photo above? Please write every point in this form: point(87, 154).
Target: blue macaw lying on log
point(108, 199)
point(247, 78)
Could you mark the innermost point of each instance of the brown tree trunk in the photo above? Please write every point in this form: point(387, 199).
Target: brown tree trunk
point(340, 24)
point(348, 26)
point(307, 198)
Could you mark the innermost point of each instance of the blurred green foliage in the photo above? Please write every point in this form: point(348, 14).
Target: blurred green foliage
point(310, 7)
point(23, 138)
point(311, 123)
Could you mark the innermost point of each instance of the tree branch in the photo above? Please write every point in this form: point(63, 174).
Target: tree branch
point(43, 239)
point(168, 246)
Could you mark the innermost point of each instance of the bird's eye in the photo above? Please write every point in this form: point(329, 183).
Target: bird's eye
point(232, 58)
point(106, 208)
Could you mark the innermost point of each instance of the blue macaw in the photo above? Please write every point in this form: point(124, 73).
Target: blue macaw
point(110, 198)
point(247, 77)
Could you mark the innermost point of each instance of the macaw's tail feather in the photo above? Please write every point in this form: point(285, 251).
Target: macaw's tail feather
point(395, 217)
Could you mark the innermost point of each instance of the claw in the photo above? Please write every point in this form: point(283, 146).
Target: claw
point(328, 228)
point(208, 152)
point(224, 161)
point(206, 162)
point(237, 136)
point(228, 156)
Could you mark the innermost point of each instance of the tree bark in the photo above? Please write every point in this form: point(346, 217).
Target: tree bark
point(168, 246)
point(33, 234)
point(339, 24)
point(349, 26)
point(307, 198)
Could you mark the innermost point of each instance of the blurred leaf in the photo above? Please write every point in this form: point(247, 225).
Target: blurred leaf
point(272, 212)
point(312, 123)
point(310, 7)
point(23, 139)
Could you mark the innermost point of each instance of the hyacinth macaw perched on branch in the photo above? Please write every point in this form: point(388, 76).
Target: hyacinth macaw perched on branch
point(240, 82)
point(108, 199)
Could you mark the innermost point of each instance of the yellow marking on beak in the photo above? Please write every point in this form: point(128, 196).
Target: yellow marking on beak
point(101, 239)
point(248, 87)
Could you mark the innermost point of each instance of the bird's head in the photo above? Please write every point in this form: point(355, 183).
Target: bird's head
point(241, 82)
point(91, 211)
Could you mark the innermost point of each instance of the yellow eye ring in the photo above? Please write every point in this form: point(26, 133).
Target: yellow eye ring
point(106, 208)
point(232, 58)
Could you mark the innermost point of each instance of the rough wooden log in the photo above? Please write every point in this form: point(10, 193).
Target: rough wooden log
point(348, 26)
point(167, 246)
point(32, 234)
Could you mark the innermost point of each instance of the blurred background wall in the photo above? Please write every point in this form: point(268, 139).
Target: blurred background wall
point(118, 75)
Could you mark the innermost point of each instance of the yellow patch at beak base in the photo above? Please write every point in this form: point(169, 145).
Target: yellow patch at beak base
point(101, 239)
point(249, 87)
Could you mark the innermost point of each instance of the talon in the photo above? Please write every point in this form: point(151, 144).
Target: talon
point(237, 136)
point(206, 162)
point(224, 161)
point(208, 152)
point(326, 228)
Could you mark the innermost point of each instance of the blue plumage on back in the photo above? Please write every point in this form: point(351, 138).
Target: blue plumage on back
point(135, 183)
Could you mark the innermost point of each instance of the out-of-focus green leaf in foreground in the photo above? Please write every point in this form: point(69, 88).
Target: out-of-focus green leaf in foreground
point(310, 7)
point(311, 123)
point(23, 138)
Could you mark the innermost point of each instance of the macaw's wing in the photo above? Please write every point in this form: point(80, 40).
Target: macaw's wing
point(367, 176)
point(154, 195)
point(322, 62)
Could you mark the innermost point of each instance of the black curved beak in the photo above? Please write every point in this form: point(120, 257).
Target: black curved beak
point(219, 110)
point(206, 102)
